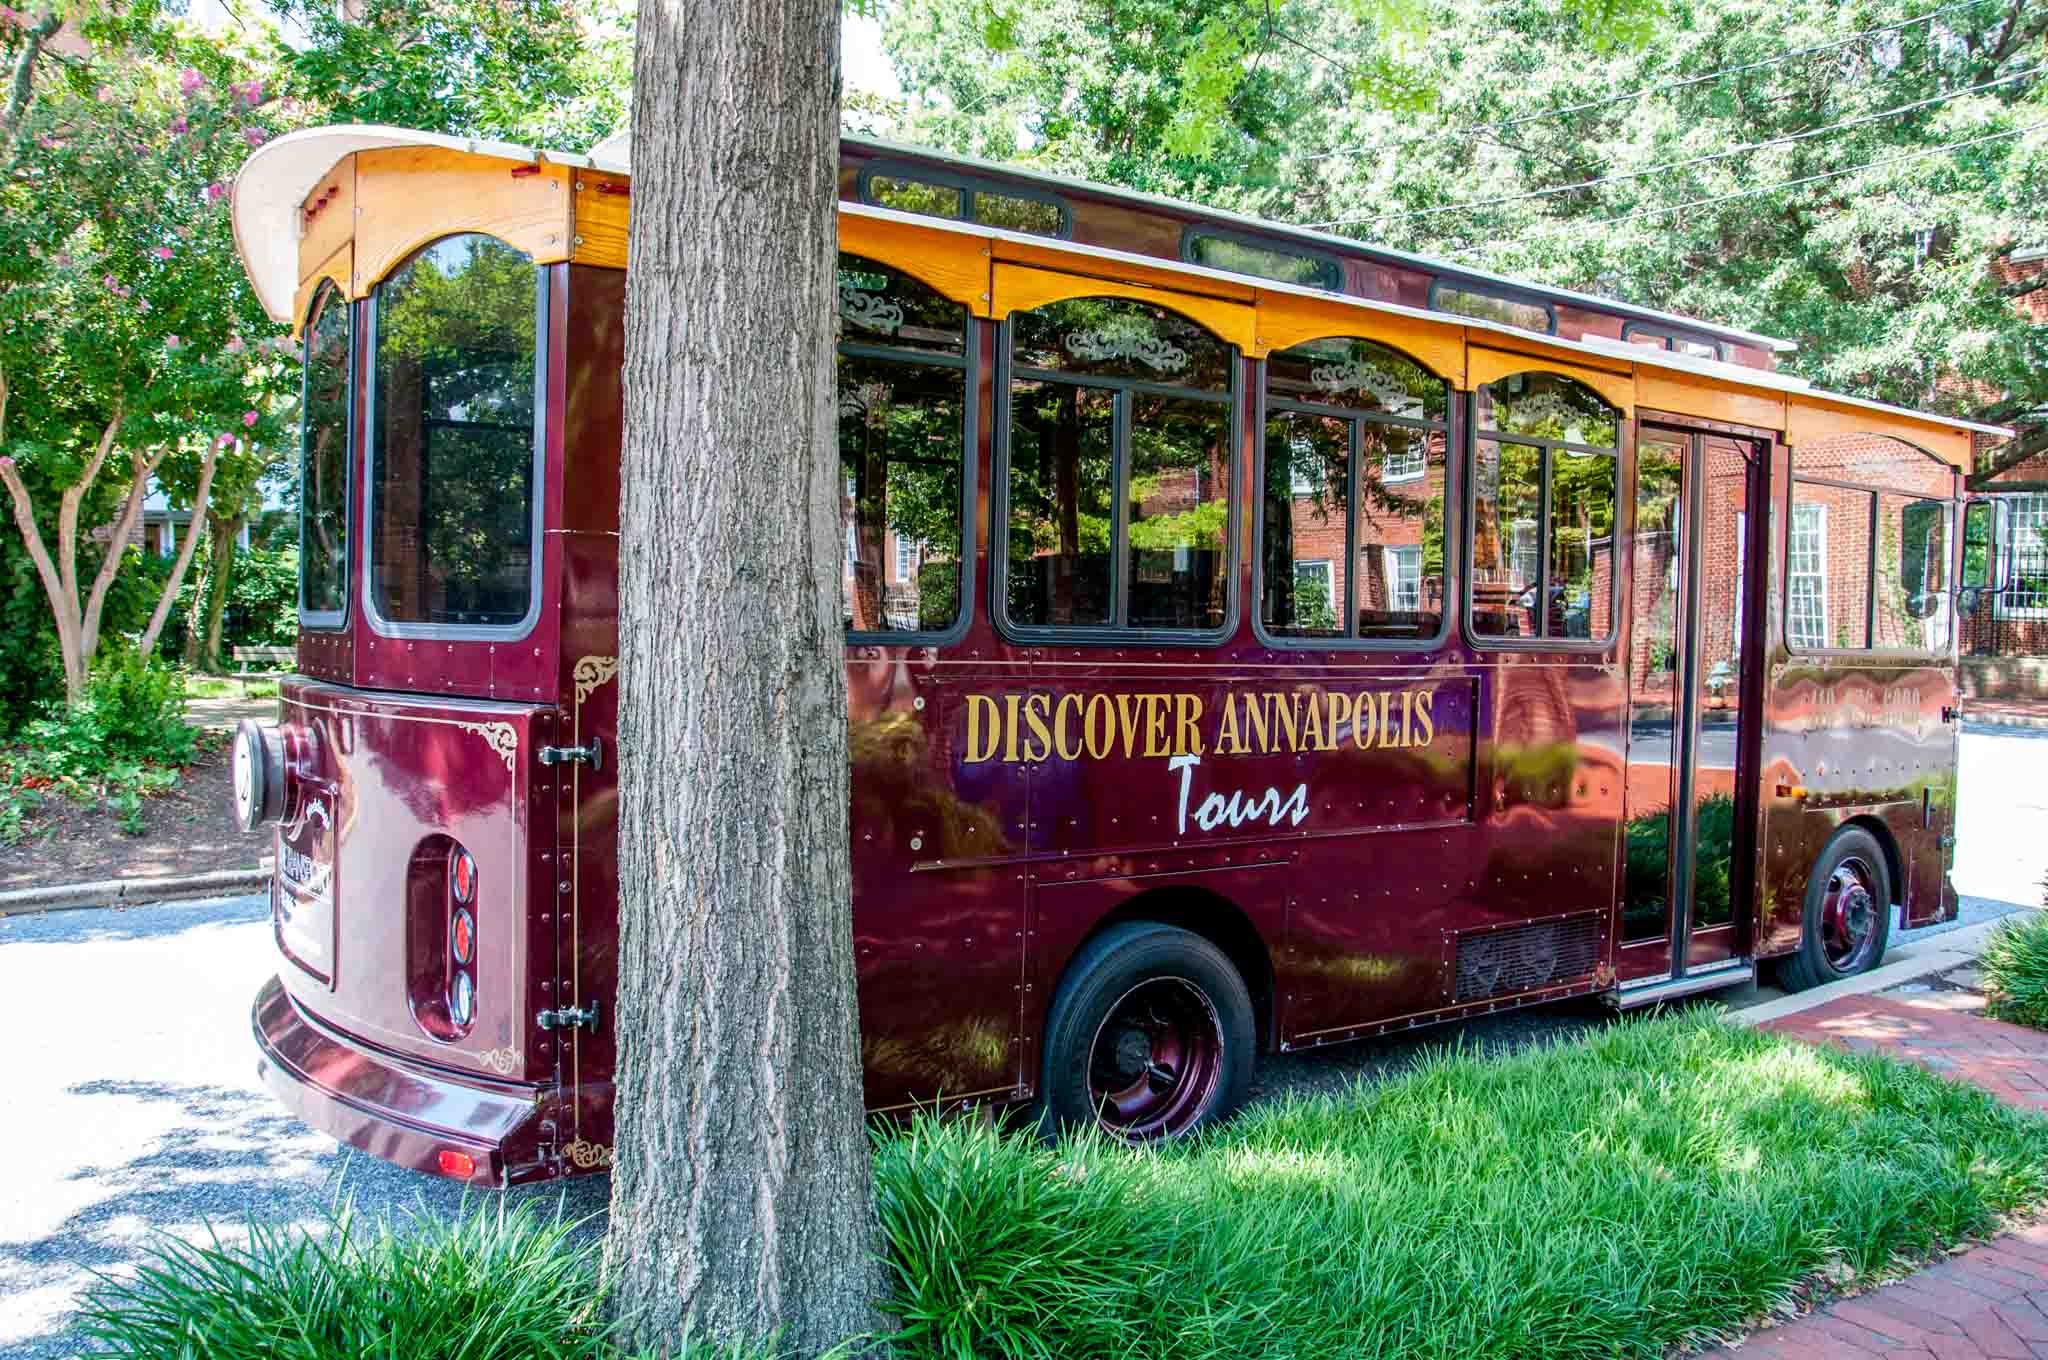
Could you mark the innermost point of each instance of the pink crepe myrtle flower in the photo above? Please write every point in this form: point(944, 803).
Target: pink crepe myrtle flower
point(252, 93)
point(172, 342)
point(215, 192)
point(253, 136)
point(163, 252)
point(180, 126)
point(235, 345)
point(223, 441)
point(10, 16)
point(113, 284)
point(61, 261)
point(249, 419)
point(190, 80)
point(142, 305)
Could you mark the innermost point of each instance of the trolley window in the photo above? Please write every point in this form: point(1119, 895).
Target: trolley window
point(1011, 207)
point(323, 464)
point(1262, 259)
point(1520, 312)
point(1118, 470)
point(1544, 484)
point(1872, 536)
point(455, 439)
point(1351, 534)
point(903, 431)
point(1676, 342)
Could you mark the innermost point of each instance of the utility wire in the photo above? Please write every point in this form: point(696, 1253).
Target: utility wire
point(1786, 140)
point(1755, 190)
point(1659, 88)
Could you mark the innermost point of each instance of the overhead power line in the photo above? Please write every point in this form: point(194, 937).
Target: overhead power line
point(1786, 140)
point(1755, 190)
point(1661, 87)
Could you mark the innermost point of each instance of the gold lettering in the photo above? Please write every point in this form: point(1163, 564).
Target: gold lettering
point(1010, 702)
point(1312, 725)
point(1059, 727)
point(1407, 712)
point(1228, 743)
point(1187, 717)
point(1289, 717)
point(1099, 704)
point(1341, 709)
point(1129, 708)
point(1423, 703)
point(1258, 740)
point(976, 705)
point(1035, 710)
point(1363, 724)
point(1158, 708)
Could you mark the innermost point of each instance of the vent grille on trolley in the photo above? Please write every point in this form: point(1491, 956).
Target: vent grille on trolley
point(1527, 958)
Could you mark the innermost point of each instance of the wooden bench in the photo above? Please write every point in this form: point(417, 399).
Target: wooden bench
point(264, 656)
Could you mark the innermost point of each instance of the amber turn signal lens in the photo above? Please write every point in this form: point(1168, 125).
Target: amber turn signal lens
point(462, 877)
point(455, 1163)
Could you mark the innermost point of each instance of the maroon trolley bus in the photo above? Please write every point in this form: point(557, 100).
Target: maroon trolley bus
point(1255, 641)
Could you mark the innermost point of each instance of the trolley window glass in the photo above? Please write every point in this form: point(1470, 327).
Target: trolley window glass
point(1354, 478)
point(1544, 485)
point(903, 431)
point(455, 439)
point(323, 463)
point(1117, 470)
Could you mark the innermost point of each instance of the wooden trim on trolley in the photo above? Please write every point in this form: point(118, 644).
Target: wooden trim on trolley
point(1287, 319)
point(954, 264)
point(338, 269)
point(1705, 399)
point(602, 204)
point(1489, 365)
point(1018, 289)
point(327, 222)
point(409, 196)
point(1812, 418)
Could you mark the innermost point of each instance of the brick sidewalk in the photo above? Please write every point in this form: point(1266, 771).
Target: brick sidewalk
point(1991, 1301)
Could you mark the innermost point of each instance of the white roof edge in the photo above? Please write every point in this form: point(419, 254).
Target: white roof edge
point(276, 178)
point(1325, 238)
point(1598, 346)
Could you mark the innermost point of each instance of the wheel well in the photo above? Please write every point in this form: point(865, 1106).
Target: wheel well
point(1894, 867)
point(1220, 922)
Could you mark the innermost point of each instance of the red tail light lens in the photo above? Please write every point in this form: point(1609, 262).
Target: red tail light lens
point(453, 1163)
point(462, 877)
point(462, 937)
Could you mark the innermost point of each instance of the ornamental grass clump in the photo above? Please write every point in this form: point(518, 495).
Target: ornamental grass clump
point(2015, 964)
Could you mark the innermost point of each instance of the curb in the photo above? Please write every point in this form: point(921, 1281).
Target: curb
point(1917, 960)
point(132, 892)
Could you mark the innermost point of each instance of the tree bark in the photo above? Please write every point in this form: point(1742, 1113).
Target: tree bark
point(76, 642)
point(740, 1191)
point(169, 596)
point(218, 583)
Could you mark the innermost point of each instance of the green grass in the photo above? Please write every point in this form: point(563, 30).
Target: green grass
point(217, 687)
point(2015, 963)
point(1655, 1184)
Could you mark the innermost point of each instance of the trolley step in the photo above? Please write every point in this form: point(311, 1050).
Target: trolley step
point(1650, 991)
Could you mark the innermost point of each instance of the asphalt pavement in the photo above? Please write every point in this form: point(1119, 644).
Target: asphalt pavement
point(134, 1108)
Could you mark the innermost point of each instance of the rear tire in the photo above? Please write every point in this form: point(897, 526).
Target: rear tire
point(1150, 1037)
point(1848, 914)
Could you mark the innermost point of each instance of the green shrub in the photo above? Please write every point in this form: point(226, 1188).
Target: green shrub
point(133, 714)
point(2015, 964)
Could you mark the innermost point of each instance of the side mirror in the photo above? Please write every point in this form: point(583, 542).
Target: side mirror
point(1981, 565)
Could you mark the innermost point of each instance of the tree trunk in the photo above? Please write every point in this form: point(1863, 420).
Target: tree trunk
point(217, 583)
point(169, 596)
point(740, 1189)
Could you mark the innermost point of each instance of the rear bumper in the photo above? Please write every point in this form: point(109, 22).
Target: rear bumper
point(398, 1111)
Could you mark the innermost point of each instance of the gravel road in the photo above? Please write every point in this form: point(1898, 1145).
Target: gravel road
point(136, 1110)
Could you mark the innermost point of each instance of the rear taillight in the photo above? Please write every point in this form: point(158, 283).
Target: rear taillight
point(461, 938)
point(456, 1163)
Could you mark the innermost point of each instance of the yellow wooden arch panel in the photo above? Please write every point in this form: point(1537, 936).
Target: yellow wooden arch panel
point(327, 220)
point(1686, 394)
point(338, 269)
point(953, 263)
point(1018, 289)
point(1490, 365)
point(409, 196)
point(1812, 418)
point(1286, 319)
point(602, 204)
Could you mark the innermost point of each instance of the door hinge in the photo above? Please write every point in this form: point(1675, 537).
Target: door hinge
point(570, 1017)
point(591, 754)
point(1949, 713)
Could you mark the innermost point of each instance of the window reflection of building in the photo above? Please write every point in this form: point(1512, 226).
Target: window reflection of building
point(1806, 577)
point(2023, 558)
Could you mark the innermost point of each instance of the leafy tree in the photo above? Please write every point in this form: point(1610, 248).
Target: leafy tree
point(128, 338)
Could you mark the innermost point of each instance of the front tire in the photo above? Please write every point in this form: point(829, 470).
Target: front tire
point(1151, 1036)
point(1848, 914)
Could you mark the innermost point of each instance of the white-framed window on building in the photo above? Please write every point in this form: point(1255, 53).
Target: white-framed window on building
point(2023, 558)
point(1405, 460)
point(906, 561)
point(1404, 578)
point(1302, 470)
point(1522, 557)
point(1806, 578)
point(1313, 577)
